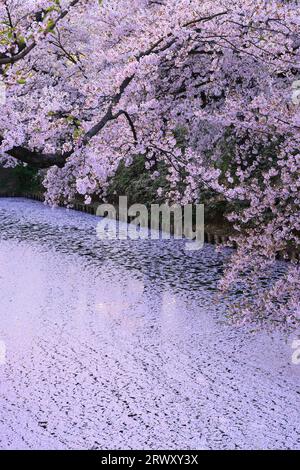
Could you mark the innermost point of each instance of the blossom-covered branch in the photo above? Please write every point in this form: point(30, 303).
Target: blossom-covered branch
point(45, 28)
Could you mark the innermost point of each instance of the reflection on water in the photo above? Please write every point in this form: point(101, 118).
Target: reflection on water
point(121, 344)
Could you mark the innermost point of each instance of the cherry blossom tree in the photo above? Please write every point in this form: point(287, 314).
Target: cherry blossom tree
point(204, 87)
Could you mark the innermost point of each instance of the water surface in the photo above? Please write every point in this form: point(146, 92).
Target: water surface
point(122, 344)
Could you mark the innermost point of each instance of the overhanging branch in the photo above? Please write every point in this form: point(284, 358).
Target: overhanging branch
point(41, 160)
point(38, 159)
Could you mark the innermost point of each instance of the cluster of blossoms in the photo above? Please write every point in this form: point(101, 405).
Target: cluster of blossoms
point(203, 87)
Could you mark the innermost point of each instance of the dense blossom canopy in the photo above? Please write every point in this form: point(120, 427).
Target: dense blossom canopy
point(208, 87)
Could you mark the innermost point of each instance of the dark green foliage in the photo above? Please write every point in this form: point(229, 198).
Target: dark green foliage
point(135, 183)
